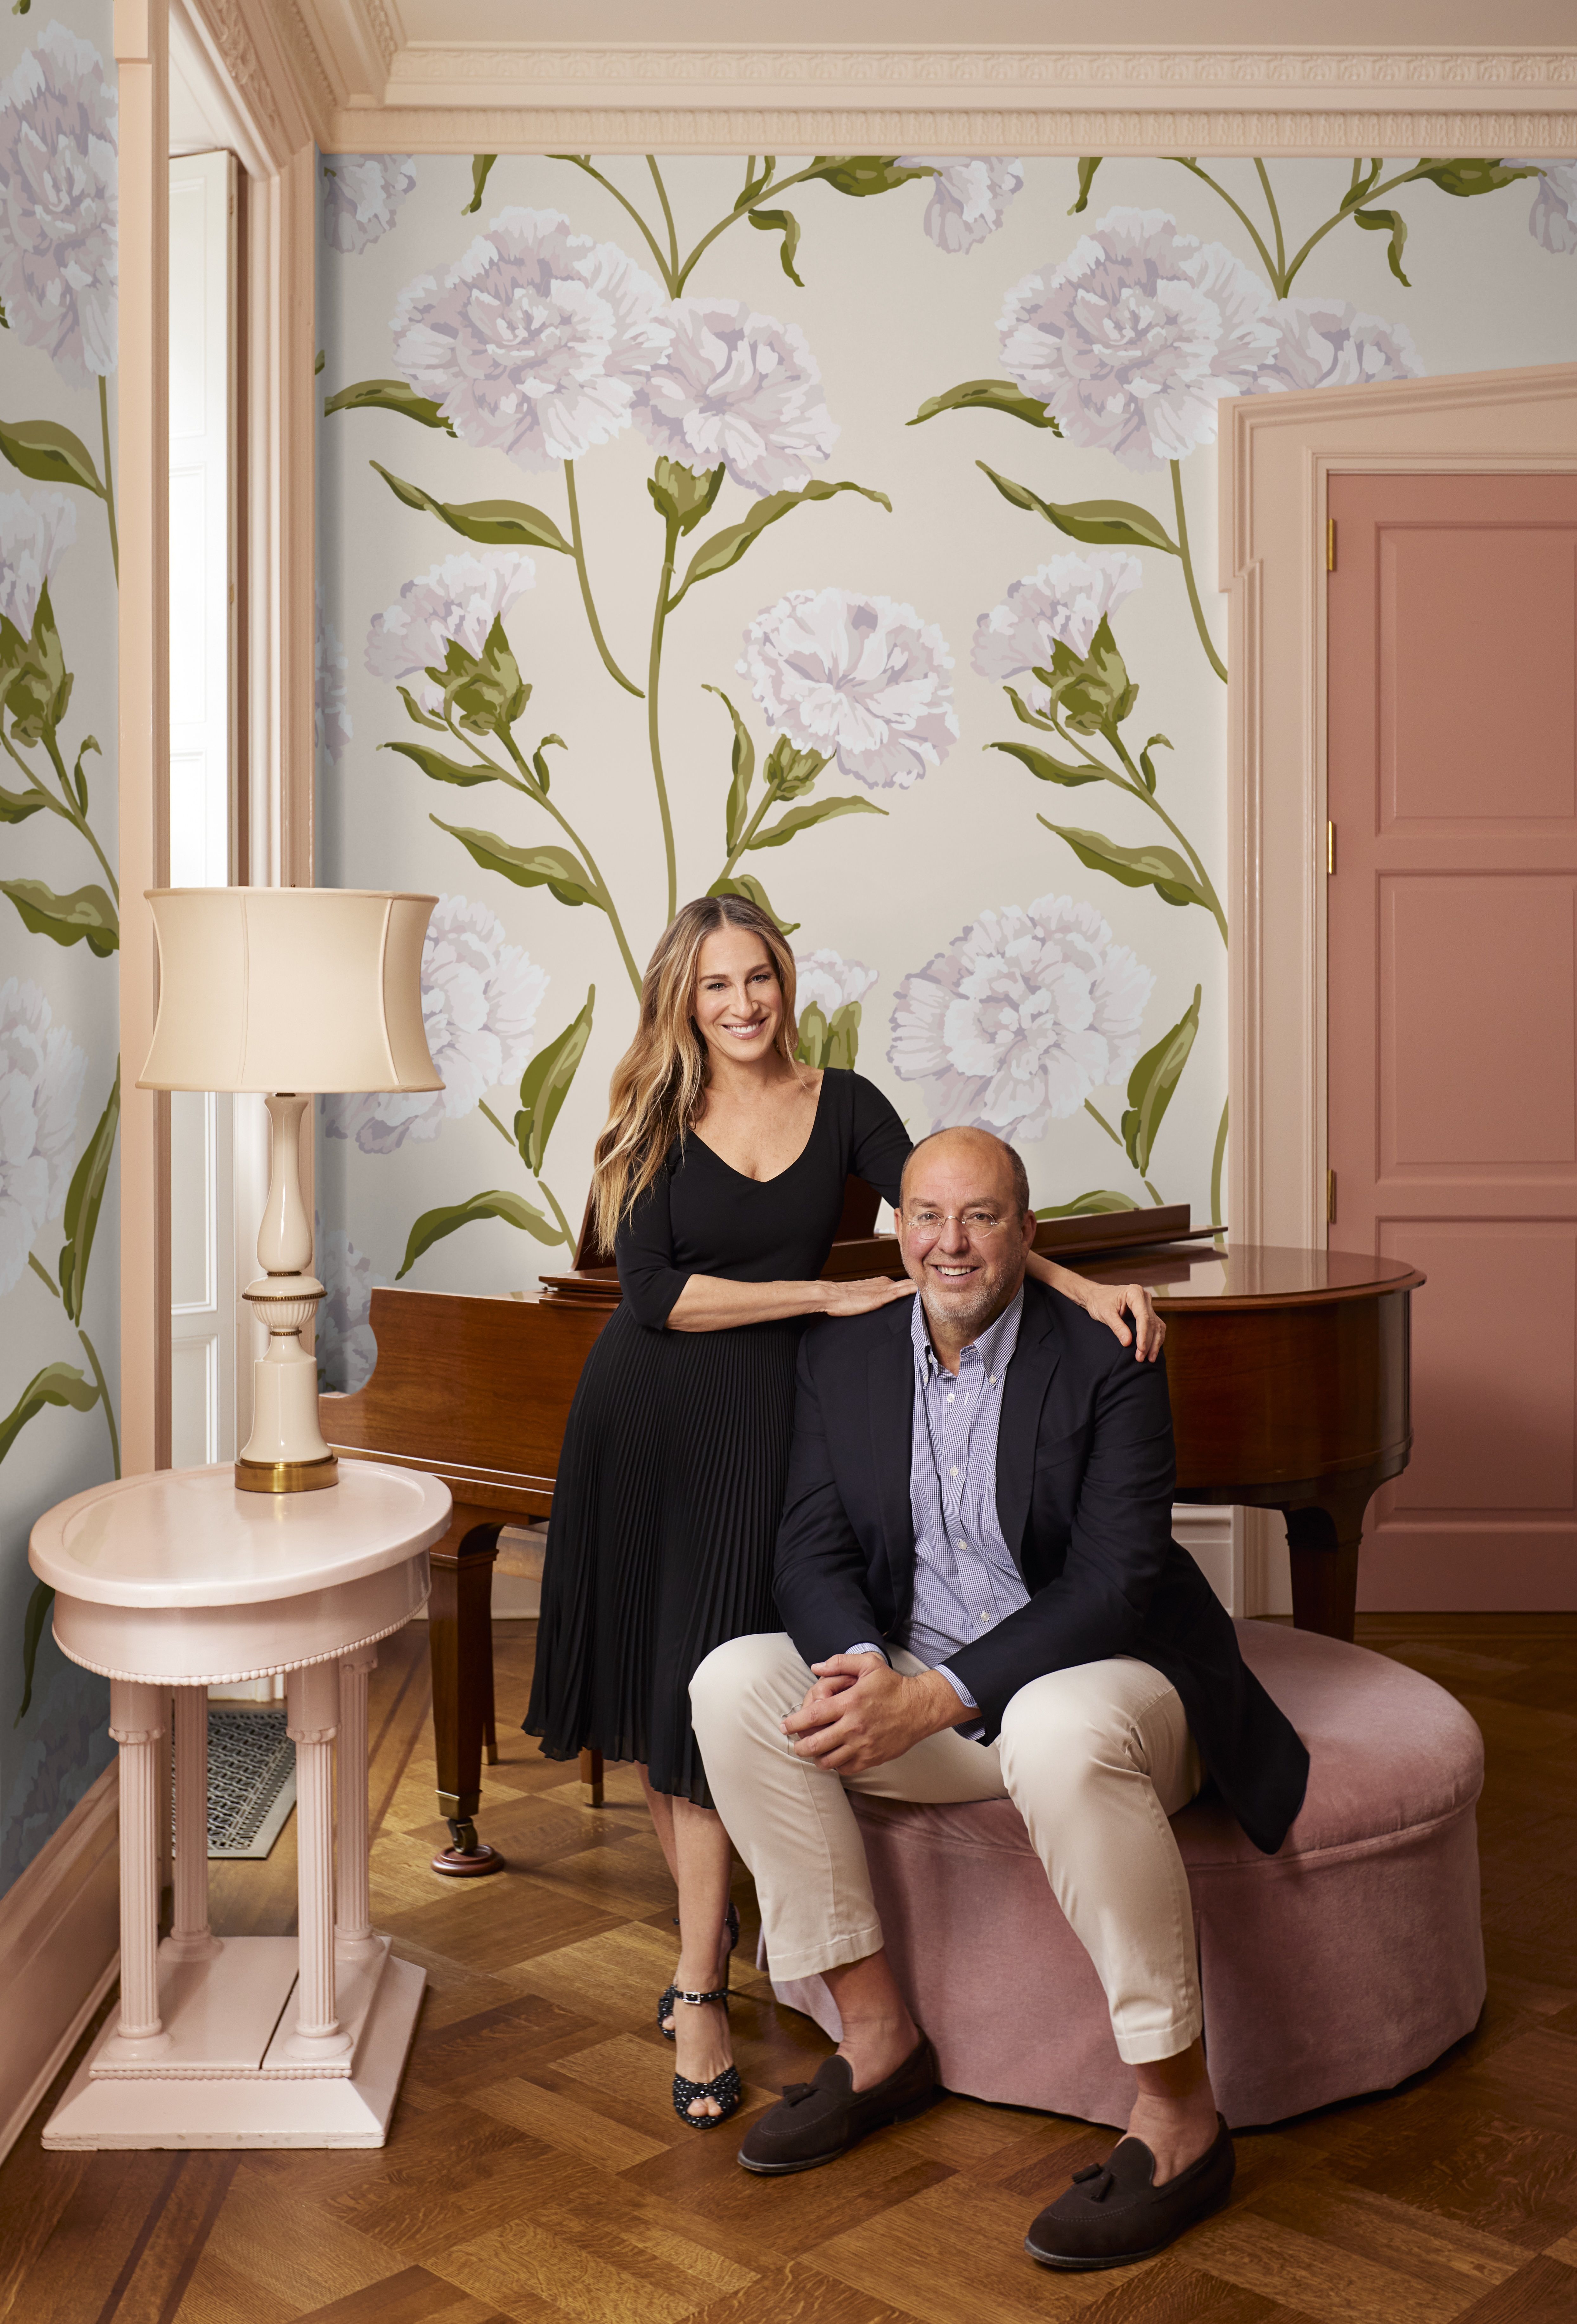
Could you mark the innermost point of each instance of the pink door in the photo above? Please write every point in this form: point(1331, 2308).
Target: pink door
point(1452, 989)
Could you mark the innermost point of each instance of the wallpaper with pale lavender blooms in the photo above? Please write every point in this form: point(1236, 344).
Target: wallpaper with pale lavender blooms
point(59, 928)
point(840, 532)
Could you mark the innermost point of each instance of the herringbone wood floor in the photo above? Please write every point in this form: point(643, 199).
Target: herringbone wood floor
point(536, 2171)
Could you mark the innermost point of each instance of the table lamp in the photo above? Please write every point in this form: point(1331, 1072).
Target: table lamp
point(289, 991)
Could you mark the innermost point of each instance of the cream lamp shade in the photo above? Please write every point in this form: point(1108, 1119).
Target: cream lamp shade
point(289, 991)
point(305, 988)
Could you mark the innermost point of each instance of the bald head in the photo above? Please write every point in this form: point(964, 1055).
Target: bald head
point(982, 1146)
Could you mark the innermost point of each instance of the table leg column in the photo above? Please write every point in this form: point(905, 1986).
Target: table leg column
point(190, 1937)
point(137, 1719)
point(312, 1707)
point(353, 1931)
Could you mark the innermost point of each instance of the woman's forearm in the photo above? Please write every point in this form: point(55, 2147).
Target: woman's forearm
point(1075, 1288)
point(711, 1303)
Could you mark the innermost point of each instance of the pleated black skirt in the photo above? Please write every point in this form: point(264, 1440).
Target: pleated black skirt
point(661, 1543)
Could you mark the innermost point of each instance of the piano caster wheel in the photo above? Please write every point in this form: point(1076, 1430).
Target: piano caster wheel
point(467, 1857)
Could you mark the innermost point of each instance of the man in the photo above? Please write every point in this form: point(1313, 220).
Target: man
point(981, 1597)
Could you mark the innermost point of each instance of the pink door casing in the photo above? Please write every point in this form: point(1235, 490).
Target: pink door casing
point(1452, 1008)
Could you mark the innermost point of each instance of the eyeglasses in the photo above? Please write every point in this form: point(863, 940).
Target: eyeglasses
point(979, 1220)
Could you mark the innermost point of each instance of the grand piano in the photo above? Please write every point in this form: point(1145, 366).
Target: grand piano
point(1289, 1382)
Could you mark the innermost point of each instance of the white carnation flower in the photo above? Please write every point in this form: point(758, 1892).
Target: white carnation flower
point(860, 680)
point(41, 1087)
point(825, 981)
point(59, 209)
point(35, 531)
point(1064, 599)
point(331, 717)
point(479, 1002)
point(362, 193)
point(1132, 341)
point(1327, 343)
point(738, 387)
point(1023, 1015)
point(345, 1348)
point(461, 599)
point(1552, 219)
point(534, 341)
point(968, 198)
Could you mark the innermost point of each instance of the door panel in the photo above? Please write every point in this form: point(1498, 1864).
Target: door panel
point(1452, 1008)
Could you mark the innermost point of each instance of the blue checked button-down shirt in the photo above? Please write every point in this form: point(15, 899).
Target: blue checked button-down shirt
point(965, 1580)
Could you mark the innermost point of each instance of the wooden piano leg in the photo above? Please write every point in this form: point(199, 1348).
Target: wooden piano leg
point(460, 1643)
point(591, 1778)
point(1324, 1542)
point(490, 1717)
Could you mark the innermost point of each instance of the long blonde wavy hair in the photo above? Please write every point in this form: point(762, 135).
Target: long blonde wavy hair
point(660, 1084)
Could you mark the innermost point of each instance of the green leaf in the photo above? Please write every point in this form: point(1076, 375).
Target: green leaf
point(1088, 165)
point(1096, 1203)
point(727, 547)
point(835, 1044)
point(1147, 764)
point(497, 524)
point(15, 806)
point(1114, 524)
point(684, 494)
point(1393, 223)
point(540, 764)
point(42, 1597)
point(1048, 769)
point(388, 395)
point(56, 1384)
point(988, 396)
point(1024, 715)
point(513, 1209)
point(545, 1086)
point(1465, 178)
point(415, 711)
point(739, 883)
point(82, 1204)
point(79, 779)
point(442, 770)
point(34, 682)
point(486, 692)
point(863, 174)
point(1095, 694)
point(791, 772)
point(785, 223)
point(318, 360)
point(743, 763)
point(1151, 1082)
point(1160, 868)
point(87, 912)
point(481, 169)
point(564, 875)
point(49, 453)
point(815, 811)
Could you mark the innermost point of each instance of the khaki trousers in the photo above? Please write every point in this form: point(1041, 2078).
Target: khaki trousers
point(1095, 1759)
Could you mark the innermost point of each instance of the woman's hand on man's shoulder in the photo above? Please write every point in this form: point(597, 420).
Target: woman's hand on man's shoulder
point(863, 1296)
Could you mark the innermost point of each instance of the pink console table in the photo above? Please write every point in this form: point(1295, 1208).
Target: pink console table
point(167, 1585)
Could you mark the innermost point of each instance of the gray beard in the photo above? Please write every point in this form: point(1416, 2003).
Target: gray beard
point(977, 1312)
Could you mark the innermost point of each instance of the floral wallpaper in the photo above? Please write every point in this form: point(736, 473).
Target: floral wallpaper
point(674, 539)
point(59, 1080)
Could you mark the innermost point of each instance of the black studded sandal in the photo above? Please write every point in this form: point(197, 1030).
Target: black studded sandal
point(725, 2088)
point(665, 2001)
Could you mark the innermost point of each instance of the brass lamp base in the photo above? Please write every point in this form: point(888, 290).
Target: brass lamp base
point(286, 1476)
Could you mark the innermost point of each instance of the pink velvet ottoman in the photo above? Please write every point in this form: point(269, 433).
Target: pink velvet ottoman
point(1351, 1959)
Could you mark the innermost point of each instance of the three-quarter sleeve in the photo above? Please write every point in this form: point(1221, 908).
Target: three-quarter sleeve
point(643, 1249)
point(881, 1145)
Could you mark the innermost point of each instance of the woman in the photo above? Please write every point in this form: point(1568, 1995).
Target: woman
point(718, 1183)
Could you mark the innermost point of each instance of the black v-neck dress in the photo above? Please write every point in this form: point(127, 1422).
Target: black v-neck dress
point(675, 1456)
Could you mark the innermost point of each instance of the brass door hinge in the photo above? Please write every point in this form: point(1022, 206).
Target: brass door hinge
point(1331, 848)
point(1329, 544)
point(1330, 1197)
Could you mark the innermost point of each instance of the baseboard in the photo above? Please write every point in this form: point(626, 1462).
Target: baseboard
point(60, 1938)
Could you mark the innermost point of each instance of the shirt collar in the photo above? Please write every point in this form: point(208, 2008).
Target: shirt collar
point(994, 1346)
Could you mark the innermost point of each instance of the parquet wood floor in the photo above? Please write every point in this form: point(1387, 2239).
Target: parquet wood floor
point(536, 2171)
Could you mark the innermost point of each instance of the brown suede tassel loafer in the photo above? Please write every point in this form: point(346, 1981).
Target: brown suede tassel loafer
point(1114, 2213)
point(816, 2121)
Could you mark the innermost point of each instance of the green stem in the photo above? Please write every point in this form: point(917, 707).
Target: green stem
point(739, 211)
point(535, 791)
point(673, 239)
point(1215, 1169)
point(1237, 207)
point(1276, 222)
point(654, 671)
point(1212, 901)
point(1150, 1191)
point(1096, 1114)
point(115, 546)
point(92, 1354)
point(583, 161)
point(578, 547)
point(44, 1274)
point(485, 1109)
point(1211, 656)
point(73, 814)
point(1355, 199)
point(543, 1188)
point(751, 829)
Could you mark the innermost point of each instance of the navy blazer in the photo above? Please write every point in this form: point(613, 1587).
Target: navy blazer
point(1085, 1470)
